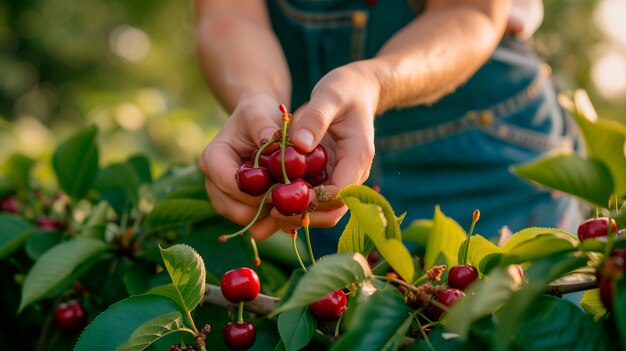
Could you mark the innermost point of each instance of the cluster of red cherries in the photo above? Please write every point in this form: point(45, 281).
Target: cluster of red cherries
point(239, 286)
point(614, 265)
point(242, 285)
point(288, 172)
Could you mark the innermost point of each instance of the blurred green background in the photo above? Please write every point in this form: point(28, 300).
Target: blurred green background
point(130, 67)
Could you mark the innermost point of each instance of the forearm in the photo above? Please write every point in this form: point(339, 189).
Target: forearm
point(239, 53)
point(437, 52)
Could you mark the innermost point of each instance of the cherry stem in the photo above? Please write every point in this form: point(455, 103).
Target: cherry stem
point(380, 264)
point(475, 218)
point(240, 312)
point(609, 232)
point(394, 280)
point(295, 249)
point(256, 216)
point(338, 324)
point(439, 305)
point(260, 151)
point(421, 279)
point(257, 259)
point(283, 140)
point(308, 243)
point(423, 332)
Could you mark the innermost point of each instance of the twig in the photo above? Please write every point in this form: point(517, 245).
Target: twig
point(262, 305)
point(566, 288)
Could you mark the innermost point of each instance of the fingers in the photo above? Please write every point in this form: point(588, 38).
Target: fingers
point(260, 119)
point(264, 228)
point(312, 121)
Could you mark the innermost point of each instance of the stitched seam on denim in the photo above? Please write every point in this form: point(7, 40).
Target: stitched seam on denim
point(527, 138)
point(468, 121)
point(316, 20)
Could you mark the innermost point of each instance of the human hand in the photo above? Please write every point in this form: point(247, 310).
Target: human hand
point(340, 116)
point(254, 118)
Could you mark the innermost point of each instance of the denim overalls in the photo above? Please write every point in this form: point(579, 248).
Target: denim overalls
point(454, 153)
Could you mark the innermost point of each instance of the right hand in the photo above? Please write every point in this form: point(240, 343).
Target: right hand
point(254, 118)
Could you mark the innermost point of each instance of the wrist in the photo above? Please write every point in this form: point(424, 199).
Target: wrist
point(371, 73)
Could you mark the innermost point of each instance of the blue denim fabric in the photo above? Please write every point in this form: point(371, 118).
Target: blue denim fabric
point(455, 153)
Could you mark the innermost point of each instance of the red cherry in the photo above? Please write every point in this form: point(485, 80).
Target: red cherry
point(253, 181)
point(70, 316)
point(619, 253)
point(239, 336)
point(330, 306)
point(373, 257)
point(317, 179)
point(295, 164)
point(240, 284)
point(49, 224)
point(461, 276)
point(595, 227)
point(447, 298)
point(606, 292)
point(316, 161)
point(263, 158)
point(291, 199)
point(10, 204)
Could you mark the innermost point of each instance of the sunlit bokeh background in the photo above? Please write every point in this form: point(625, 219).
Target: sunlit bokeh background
point(130, 67)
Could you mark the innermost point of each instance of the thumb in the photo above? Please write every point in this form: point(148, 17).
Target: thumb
point(311, 123)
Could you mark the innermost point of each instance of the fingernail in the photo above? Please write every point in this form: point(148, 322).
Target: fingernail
point(266, 133)
point(305, 137)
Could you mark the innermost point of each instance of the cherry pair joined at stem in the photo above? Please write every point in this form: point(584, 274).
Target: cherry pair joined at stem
point(239, 286)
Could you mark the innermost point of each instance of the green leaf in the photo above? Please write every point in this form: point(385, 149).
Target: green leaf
point(188, 274)
point(556, 324)
point(367, 195)
point(446, 238)
point(120, 180)
point(172, 212)
point(293, 281)
point(296, 328)
point(137, 278)
point(604, 139)
point(480, 248)
point(619, 310)
point(482, 298)
point(13, 232)
point(592, 305)
point(141, 164)
point(378, 324)
point(587, 179)
point(353, 238)
point(329, 274)
point(40, 242)
point(153, 330)
point(376, 218)
point(75, 162)
point(17, 168)
point(418, 232)
point(95, 226)
point(178, 178)
point(539, 275)
point(58, 263)
point(534, 243)
point(115, 326)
